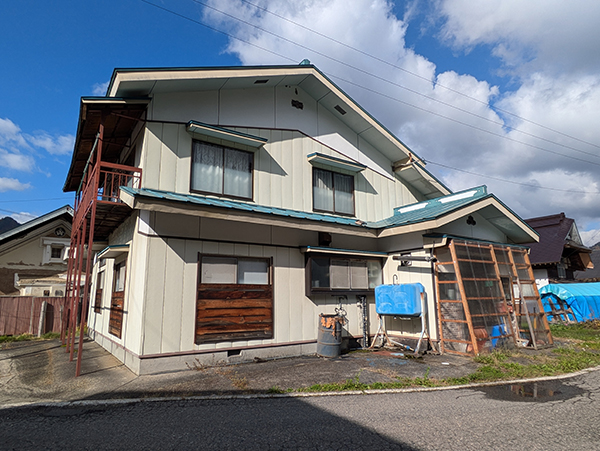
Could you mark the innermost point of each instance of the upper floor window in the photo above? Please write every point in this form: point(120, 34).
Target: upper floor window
point(54, 250)
point(333, 192)
point(221, 170)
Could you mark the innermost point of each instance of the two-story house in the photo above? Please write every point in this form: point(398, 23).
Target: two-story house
point(32, 255)
point(239, 203)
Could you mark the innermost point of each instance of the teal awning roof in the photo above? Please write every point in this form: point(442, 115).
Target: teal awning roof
point(409, 214)
point(236, 205)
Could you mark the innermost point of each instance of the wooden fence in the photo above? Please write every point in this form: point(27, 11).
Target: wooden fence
point(21, 314)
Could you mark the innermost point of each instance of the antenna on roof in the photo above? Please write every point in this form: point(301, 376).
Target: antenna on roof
point(305, 62)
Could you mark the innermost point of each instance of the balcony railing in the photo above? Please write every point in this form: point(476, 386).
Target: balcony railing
point(103, 183)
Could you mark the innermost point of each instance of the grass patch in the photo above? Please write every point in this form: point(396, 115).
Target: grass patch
point(587, 332)
point(28, 337)
point(579, 353)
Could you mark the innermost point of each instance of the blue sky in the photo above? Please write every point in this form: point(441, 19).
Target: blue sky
point(507, 90)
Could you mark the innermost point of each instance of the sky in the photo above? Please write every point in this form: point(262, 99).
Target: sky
point(503, 93)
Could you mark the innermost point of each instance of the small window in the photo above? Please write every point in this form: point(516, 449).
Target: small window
point(99, 287)
point(236, 271)
point(56, 252)
point(119, 277)
point(333, 192)
point(343, 274)
point(221, 170)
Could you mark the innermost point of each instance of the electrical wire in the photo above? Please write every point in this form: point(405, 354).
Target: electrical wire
point(428, 80)
point(531, 185)
point(375, 76)
point(403, 102)
point(36, 200)
point(398, 85)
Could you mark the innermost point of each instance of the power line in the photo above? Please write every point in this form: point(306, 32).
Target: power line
point(18, 213)
point(463, 123)
point(216, 30)
point(421, 77)
point(408, 104)
point(367, 73)
point(398, 85)
point(36, 200)
point(531, 185)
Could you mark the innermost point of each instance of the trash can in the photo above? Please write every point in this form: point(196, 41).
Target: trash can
point(329, 340)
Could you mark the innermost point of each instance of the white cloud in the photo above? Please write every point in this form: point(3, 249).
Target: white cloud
point(19, 151)
point(99, 89)
point(590, 237)
point(555, 36)
point(546, 47)
point(16, 161)
point(54, 145)
point(10, 134)
point(22, 217)
point(9, 184)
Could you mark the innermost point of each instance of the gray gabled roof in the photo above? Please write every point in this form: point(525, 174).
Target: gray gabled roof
point(25, 228)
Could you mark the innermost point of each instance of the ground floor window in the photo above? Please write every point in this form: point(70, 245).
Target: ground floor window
point(234, 299)
point(117, 300)
point(331, 274)
point(99, 287)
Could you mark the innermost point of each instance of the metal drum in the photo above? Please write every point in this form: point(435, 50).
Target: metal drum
point(329, 341)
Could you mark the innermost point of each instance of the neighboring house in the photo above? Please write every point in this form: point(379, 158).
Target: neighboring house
point(239, 203)
point(560, 251)
point(591, 275)
point(34, 251)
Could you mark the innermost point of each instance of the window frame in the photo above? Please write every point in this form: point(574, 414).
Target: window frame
point(100, 280)
point(222, 193)
point(217, 336)
point(268, 260)
point(333, 173)
point(311, 291)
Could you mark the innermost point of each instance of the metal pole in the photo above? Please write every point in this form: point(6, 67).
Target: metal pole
point(89, 249)
point(80, 246)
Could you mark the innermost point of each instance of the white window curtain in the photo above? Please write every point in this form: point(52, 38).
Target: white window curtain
point(322, 190)
point(238, 173)
point(207, 168)
point(344, 187)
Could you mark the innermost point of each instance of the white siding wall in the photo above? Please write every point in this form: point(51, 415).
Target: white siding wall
point(171, 278)
point(282, 175)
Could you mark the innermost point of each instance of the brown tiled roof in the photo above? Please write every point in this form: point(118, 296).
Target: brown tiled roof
point(553, 231)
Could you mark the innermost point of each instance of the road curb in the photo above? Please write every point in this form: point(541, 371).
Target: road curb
point(111, 402)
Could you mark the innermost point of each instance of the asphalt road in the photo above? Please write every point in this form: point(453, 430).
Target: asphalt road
point(559, 415)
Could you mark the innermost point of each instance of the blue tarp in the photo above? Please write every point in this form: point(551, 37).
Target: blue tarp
point(583, 298)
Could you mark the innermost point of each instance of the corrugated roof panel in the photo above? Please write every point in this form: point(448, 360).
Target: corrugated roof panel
point(415, 213)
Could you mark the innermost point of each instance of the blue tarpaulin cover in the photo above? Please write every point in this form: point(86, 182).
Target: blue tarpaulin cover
point(583, 298)
point(401, 300)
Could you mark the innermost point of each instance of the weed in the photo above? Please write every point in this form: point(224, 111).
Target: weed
point(28, 337)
